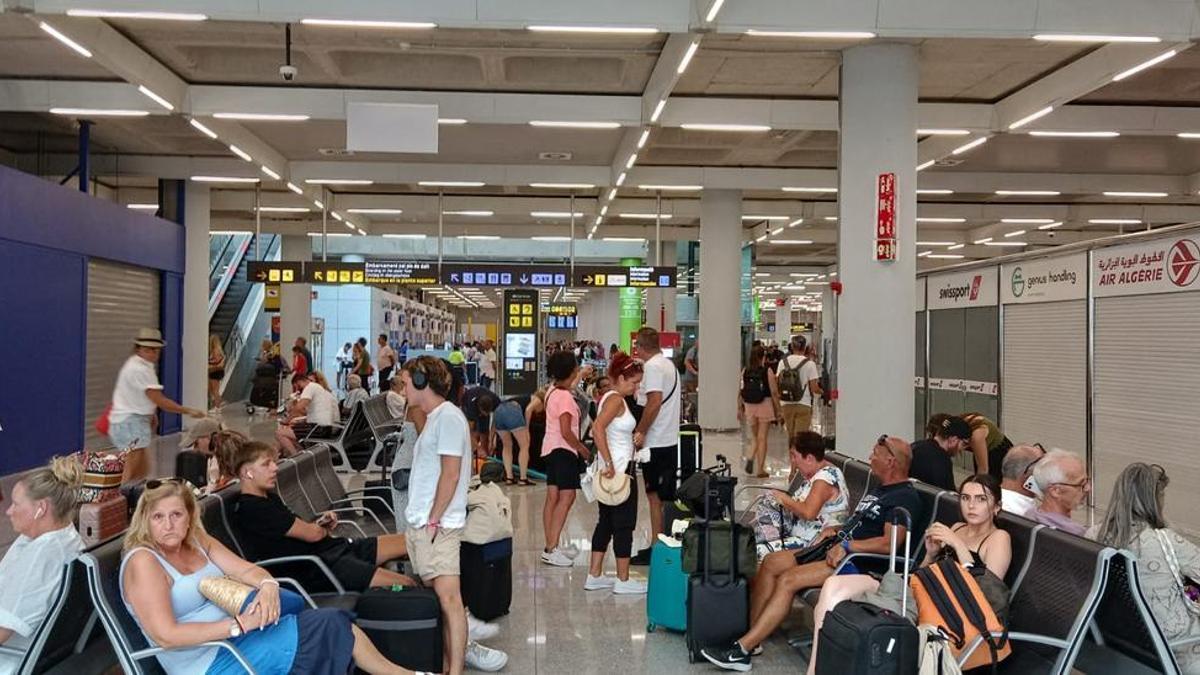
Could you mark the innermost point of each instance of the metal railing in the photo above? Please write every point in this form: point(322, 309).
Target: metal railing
point(225, 270)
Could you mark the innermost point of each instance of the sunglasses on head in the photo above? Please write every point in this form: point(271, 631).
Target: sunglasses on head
point(883, 443)
point(155, 483)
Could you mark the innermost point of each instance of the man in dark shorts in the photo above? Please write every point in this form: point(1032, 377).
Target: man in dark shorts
point(658, 430)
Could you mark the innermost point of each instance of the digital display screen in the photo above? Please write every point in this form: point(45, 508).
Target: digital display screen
point(520, 346)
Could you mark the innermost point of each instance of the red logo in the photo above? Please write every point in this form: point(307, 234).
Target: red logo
point(975, 284)
point(1183, 262)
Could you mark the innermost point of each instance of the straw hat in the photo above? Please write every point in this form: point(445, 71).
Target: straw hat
point(149, 337)
point(612, 491)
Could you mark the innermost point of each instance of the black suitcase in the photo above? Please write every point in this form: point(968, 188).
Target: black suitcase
point(487, 578)
point(718, 604)
point(192, 466)
point(859, 638)
point(691, 451)
point(405, 625)
point(264, 391)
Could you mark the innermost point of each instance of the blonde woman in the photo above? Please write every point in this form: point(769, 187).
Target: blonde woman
point(216, 372)
point(168, 554)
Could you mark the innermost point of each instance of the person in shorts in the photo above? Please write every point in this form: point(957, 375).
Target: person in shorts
point(658, 431)
point(437, 508)
point(563, 452)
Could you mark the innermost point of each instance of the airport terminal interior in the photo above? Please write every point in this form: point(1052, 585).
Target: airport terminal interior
point(803, 267)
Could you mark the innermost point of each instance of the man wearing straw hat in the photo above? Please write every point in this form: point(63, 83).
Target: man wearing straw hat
point(136, 397)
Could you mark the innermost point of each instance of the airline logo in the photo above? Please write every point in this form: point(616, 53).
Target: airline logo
point(975, 283)
point(968, 291)
point(1183, 262)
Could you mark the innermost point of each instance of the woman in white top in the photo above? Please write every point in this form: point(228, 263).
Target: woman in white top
point(41, 511)
point(613, 433)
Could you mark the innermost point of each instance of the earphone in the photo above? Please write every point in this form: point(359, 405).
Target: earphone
point(39, 513)
point(249, 474)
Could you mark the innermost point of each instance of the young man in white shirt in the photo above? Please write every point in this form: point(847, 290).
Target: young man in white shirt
point(316, 407)
point(487, 365)
point(437, 506)
point(657, 431)
point(385, 360)
point(799, 400)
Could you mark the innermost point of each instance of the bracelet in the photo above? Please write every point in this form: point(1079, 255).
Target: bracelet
point(268, 580)
point(239, 625)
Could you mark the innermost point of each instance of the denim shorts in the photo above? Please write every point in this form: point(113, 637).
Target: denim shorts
point(131, 432)
point(509, 416)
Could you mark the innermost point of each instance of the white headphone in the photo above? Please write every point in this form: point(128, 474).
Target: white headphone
point(249, 474)
point(39, 513)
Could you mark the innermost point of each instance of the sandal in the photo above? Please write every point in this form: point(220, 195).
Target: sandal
point(526, 481)
point(509, 480)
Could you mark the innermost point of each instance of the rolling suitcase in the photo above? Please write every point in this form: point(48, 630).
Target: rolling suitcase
point(487, 578)
point(100, 521)
point(859, 638)
point(192, 466)
point(666, 597)
point(691, 452)
point(718, 602)
point(405, 624)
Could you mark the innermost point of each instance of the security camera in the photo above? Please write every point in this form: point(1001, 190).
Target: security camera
point(288, 73)
point(1050, 234)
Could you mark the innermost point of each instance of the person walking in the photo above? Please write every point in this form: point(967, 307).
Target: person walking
point(757, 396)
point(487, 365)
point(362, 364)
point(302, 345)
point(799, 385)
point(345, 361)
point(216, 372)
point(385, 360)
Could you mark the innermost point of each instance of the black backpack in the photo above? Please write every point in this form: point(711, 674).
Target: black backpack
point(754, 385)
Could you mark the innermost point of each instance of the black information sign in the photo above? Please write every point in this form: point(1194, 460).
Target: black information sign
point(275, 272)
point(609, 276)
point(402, 272)
point(520, 349)
point(562, 309)
point(508, 276)
point(334, 273)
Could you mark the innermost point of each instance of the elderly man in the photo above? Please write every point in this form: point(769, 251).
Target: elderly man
point(1061, 478)
point(1015, 471)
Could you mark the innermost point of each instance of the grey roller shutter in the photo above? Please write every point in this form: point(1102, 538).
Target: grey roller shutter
point(121, 299)
point(1146, 394)
point(1044, 397)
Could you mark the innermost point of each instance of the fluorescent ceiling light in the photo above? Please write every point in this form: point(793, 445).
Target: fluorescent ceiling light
point(604, 210)
point(613, 30)
point(217, 233)
point(261, 117)
point(481, 237)
point(814, 190)
point(563, 186)
point(925, 165)
point(935, 243)
point(1115, 221)
point(599, 219)
point(283, 209)
point(712, 10)
point(555, 214)
point(159, 16)
point(203, 129)
point(762, 274)
point(75, 46)
point(1189, 134)
point(776, 231)
point(1115, 193)
point(951, 248)
point(1143, 66)
point(376, 212)
point(969, 146)
point(361, 231)
point(1026, 221)
point(831, 219)
point(142, 207)
point(155, 97)
point(451, 183)
point(816, 34)
point(1015, 233)
point(621, 179)
point(319, 204)
point(985, 240)
point(1028, 193)
point(922, 254)
point(644, 216)
point(934, 191)
point(267, 170)
point(404, 236)
point(791, 242)
point(672, 188)
point(612, 194)
point(798, 221)
point(943, 132)
point(330, 234)
point(1061, 37)
point(336, 216)
point(550, 238)
point(945, 256)
point(1029, 118)
point(1074, 134)
point(636, 240)
point(658, 109)
point(765, 217)
point(1050, 226)
point(99, 112)
point(803, 275)
point(1006, 243)
point(562, 124)
point(941, 220)
point(687, 56)
point(475, 213)
point(356, 23)
point(241, 153)
point(632, 160)
point(451, 121)
point(706, 126)
point(338, 181)
point(225, 179)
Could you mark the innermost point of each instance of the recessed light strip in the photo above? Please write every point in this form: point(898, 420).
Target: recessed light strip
point(613, 30)
point(99, 112)
point(706, 126)
point(1074, 134)
point(357, 23)
point(203, 129)
point(157, 16)
point(969, 146)
point(567, 124)
point(687, 56)
point(814, 34)
point(148, 93)
point(1126, 193)
point(1061, 37)
point(1143, 66)
point(261, 117)
point(58, 35)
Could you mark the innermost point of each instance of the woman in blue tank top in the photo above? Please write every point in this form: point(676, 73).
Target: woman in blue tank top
point(168, 554)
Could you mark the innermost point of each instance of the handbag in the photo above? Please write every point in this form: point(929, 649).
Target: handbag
point(1187, 586)
point(227, 593)
point(102, 422)
point(818, 551)
point(489, 515)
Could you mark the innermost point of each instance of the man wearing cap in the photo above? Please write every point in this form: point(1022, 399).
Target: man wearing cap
point(931, 456)
point(136, 397)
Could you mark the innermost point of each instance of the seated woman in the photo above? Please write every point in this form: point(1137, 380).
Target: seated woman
point(975, 541)
point(355, 394)
point(224, 446)
point(41, 510)
point(168, 554)
point(785, 521)
point(1136, 521)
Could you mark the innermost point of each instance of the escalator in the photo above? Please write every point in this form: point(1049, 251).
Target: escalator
point(228, 288)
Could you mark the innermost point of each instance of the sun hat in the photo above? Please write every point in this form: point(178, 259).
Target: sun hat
point(206, 426)
point(612, 491)
point(149, 337)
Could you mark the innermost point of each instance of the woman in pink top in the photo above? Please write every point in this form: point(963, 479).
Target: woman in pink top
point(563, 452)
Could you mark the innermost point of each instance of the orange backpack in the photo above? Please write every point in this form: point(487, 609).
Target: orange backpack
point(950, 598)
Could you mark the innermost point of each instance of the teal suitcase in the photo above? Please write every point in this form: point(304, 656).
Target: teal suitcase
point(666, 598)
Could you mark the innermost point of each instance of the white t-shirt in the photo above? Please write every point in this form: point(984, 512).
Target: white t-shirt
point(661, 375)
point(322, 405)
point(396, 404)
point(808, 373)
point(38, 564)
point(386, 358)
point(1015, 502)
point(487, 367)
point(129, 395)
point(445, 433)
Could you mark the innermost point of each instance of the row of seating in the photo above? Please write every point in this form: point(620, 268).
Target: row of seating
point(367, 426)
point(1074, 602)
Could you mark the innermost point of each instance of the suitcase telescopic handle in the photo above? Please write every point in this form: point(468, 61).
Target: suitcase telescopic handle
point(707, 576)
point(901, 516)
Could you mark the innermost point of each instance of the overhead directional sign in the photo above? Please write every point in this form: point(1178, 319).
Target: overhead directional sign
point(422, 273)
point(562, 309)
point(275, 272)
point(508, 276)
point(611, 276)
point(335, 273)
point(401, 272)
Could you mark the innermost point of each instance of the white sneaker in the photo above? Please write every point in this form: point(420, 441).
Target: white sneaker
point(571, 551)
point(484, 658)
point(600, 583)
point(630, 587)
point(478, 629)
point(556, 558)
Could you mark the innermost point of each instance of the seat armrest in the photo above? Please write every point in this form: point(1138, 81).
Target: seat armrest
point(219, 644)
point(355, 512)
point(299, 589)
point(305, 558)
point(1033, 638)
point(367, 498)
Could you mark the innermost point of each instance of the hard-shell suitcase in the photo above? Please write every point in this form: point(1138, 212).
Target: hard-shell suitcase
point(192, 466)
point(691, 451)
point(666, 597)
point(100, 521)
point(859, 638)
point(405, 625)
point(718, 603)
point(487, 578)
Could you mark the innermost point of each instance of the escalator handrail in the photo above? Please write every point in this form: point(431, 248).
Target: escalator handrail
point(214, 262)
point(227, 277)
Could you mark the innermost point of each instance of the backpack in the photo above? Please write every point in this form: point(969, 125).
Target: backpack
point(950, 598)
point(754, 385)
point(791, 383)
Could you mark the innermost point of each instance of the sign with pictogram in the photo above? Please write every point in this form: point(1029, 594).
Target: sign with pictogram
point(885, 217)
point(1160, 266)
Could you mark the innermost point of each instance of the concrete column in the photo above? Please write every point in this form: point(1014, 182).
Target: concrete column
point(196, 218)
point(874, 323)
point(660, 303)
point(295, 300)
point(783, 323)
point(720, 310)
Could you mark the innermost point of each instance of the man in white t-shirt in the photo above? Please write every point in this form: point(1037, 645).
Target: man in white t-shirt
point(658, 430)
point(487, 365)
point(803, 386)
point(385, 360)
point(437, 506)
point(315, 407)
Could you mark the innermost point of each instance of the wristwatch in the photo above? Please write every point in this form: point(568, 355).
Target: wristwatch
point(235, 629)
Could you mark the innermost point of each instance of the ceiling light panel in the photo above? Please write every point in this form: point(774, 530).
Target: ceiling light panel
point(1028, 193)
point(567, 124)
point(58, 35)
point(203, 129)
point(376, 212)
point(563, 186)
point(149, 93)
point(609, 30)
point(813, 34)
point(225, 179)
point(1074, 134)
point(151, 16)
point(99, 112)
point(356, 23)
point(261, 117)
point(1062, 37)
point(338, 181)
point(1126, 193)
point(705, 126)
point(452, 183)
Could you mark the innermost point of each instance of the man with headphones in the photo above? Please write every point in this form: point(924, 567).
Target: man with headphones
point(437, 506)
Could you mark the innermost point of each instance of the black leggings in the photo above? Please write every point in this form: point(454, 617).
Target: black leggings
point(616, 524)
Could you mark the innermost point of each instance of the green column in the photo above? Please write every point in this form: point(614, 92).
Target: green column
point(629, 309)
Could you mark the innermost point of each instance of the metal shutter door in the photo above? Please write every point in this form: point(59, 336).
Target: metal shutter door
point(121, 299)
point(1044, 390)
point(919, 408)
point(1145, 389)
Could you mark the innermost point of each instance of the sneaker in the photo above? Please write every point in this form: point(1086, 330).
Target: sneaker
point(732, 657)
point(571, 551)
point(556, 558)
point(629, 587)
point(600, 583)
point(478, 629)
point(641, 558)
point(757, 651)
point(484, 658)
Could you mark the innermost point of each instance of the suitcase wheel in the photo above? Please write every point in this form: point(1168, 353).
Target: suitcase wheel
point(650, 627)
point(249, 409)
